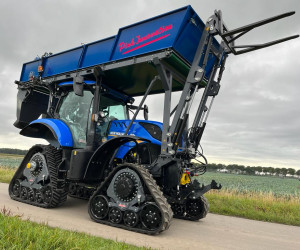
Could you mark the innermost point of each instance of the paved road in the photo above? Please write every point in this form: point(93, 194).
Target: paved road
point(214, 232)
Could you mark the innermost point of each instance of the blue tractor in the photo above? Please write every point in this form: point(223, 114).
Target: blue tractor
point(136, 174)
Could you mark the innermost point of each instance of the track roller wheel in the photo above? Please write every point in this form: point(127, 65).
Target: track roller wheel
point(115, 215)
point(98, 207)
point(151, 216)
point(47, 194)
point(38, 196)
point(31, 194)
point(197, 209)
point(178, 209)
point(24, 193)
point(130, 218)
point(16, 188)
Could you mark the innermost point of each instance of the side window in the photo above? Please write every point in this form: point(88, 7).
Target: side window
point(74, 111)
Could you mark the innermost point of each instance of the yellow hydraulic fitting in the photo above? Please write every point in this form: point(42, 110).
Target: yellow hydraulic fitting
point(185, 179)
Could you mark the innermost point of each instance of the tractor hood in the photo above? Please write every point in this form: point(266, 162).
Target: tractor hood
point(150, 130)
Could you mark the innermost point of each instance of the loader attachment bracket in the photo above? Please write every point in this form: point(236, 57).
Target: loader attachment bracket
point(201, 190)
point(230, 36)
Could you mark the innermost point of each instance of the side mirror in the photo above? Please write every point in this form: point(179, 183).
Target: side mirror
point(146, 112)
point(78, 85)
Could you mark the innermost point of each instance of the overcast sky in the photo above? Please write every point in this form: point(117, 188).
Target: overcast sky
point(255, 119)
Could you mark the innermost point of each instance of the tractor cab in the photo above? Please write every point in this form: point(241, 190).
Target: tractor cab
point(77, 112)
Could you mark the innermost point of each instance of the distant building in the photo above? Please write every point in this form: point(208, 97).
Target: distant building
point(260, 173)
point(224, 170)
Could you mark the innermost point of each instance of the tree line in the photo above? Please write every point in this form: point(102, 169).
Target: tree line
point(211, 167)
point(13, 151)
point(250, 170)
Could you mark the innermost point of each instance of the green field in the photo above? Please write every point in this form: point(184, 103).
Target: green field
point(279, 187)
point(10, 161)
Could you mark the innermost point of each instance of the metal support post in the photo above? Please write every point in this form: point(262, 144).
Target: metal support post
point(141, 103)
point(202, 104)
point(91, 136)
point(166, 79)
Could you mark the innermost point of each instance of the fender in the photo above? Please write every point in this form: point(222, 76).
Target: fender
point(55, 131)
point(103, 155)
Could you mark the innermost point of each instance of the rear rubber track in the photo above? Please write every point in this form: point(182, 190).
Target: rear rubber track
point(53, 158)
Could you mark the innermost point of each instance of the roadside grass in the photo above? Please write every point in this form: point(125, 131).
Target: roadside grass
point(6, 174)
point(255, 206)
point(263, 206)
point(18, 234)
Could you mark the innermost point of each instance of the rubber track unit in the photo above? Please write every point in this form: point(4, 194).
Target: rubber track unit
point(201, 215)
point(205, 208)
point(160, 200)
point(53, 159)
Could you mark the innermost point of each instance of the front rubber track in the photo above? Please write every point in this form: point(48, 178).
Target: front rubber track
point(157, 195)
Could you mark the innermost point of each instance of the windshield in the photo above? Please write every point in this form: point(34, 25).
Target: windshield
point(74, 111)
point(113, 109)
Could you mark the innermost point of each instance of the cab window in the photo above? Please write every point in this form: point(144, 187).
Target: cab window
point(74, 111)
